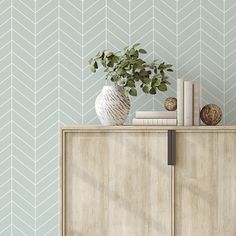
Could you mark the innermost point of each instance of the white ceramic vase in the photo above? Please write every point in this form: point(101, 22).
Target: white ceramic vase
point(112, 106)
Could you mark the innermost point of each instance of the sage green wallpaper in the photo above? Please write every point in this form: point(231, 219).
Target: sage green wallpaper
point(45, 82)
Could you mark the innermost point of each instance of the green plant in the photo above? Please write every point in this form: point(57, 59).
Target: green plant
point(128, 69)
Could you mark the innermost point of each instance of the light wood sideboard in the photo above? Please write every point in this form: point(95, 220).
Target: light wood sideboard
point(116, 181)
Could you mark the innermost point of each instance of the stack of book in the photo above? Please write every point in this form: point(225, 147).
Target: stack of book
point(188, 103)
point(155, 118)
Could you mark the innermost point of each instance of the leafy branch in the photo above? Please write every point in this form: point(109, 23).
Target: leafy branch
point(128, 69)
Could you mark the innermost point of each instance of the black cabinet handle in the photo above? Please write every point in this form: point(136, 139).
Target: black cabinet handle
point(171, 147)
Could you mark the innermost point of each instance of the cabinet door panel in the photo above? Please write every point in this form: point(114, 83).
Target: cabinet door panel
point(117, 184)
point(205, 184)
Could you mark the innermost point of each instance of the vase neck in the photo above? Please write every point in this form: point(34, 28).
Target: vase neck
point(112, 87)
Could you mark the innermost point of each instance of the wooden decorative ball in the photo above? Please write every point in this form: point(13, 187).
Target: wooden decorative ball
point(211, 114)
point(170, 104)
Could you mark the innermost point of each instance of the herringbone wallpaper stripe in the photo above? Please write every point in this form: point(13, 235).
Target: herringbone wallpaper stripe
point(230, 60)
point(45, 82)
point(5, 118)
point(23, 119)
point(46, 117)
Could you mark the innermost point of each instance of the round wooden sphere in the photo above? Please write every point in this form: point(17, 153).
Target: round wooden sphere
point(170, 104)
point(211, 114)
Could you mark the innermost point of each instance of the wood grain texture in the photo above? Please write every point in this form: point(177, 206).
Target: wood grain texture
point(205, 184)
point(154, 128)
point(116, 184)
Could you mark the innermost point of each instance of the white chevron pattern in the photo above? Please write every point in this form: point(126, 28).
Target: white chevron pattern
point(165, 41)
point(71, 61)
point(46, 113)
point(212, 53)
point(5, 118)
point(188, 40)
point(93, 23)
point(23, 119)
point(117, 24)
point(45, 82)
point(230, 61)
point(141, 30)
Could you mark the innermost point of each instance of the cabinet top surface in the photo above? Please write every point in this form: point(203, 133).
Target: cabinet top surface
point(147, 128)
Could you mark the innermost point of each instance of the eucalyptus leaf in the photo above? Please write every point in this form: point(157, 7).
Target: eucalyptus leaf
point(162, 87)
point(152, 91)
point(131, 83)
point(146, 80)
point(161, 66)
point(133, 92)
point(157, 83)
point(136, 45)
point(145, 89)
point(142, 51)
point(126, 91)
point(115, 59)
point(132, 52)
point(110, 64)
point(93, 69)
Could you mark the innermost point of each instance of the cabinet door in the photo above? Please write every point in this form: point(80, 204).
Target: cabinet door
point(116, 184)
point(205, 184)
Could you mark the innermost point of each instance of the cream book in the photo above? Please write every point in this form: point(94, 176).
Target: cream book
point(155, 114)
point(154, 121)
point(188, 103)
point(196, 104)
point(180, 102)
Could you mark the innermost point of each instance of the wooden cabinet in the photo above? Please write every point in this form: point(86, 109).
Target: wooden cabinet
point(205, 184)
point(112, 182)
point(116, 182)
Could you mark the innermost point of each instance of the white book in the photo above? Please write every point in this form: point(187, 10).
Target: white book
point(196, 104)
point(188, 103)
point(155, 115)
point(154, 121)
point(180, 102)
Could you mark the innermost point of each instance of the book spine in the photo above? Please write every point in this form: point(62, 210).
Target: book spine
point(188, 103)
point(197, 97)
point(180, 102)
point(137, 121)
point(155, 115)
point(154, 121)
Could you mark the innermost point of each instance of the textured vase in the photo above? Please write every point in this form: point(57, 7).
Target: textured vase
point(112, 106)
